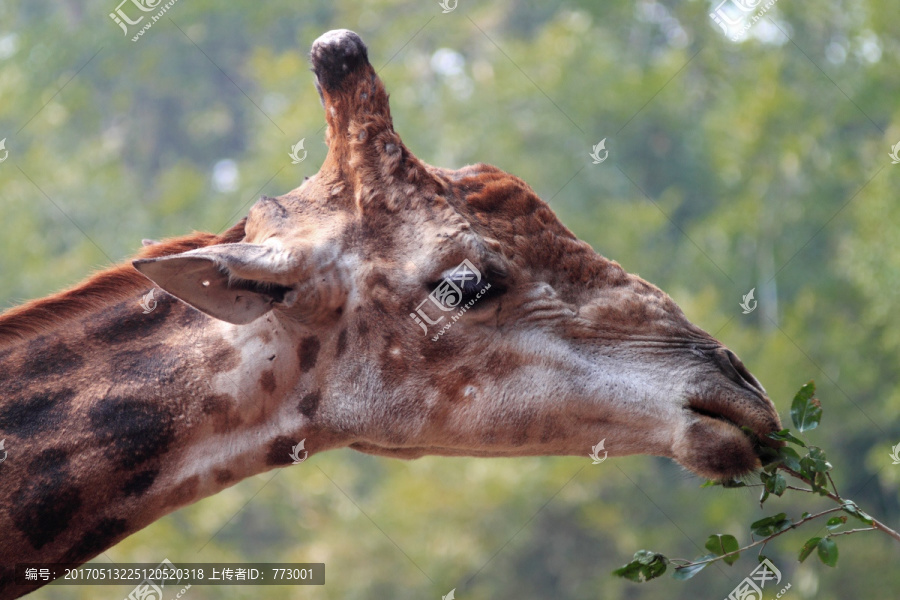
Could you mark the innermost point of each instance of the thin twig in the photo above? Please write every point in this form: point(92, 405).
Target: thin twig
point(852, 531)
point(875, 522)
point(758, 542)
point(845, 505)
point(790, 487)
point(882, 527)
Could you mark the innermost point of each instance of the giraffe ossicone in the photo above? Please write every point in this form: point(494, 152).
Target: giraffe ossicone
point(295, 325)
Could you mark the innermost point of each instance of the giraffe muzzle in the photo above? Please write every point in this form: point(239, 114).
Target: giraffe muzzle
point(735, 370)
point(742, 403)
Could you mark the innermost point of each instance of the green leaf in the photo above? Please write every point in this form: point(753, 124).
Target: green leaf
point(733, 483)
point(776, 484)
point(783, 524)
point(789, 458)
point(804, 515)
point(785, 436)
point(828, 551)
point(806, 468)
point(769, 525)
point(850, 507)
point(726, 483)
point(817, 455)
point(835, 522)
point(684, 573)
point(633, 571)
point(723, 544)
point(645, 557)
point(764, 494)
point(806, 410)
point(808, 548)
point(814, 466)
point(645, 566)
point(766, 521)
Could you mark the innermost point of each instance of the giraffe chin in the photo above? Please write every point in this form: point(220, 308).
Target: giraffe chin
point(715, 449)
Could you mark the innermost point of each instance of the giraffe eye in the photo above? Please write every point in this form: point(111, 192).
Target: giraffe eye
point(470, 287)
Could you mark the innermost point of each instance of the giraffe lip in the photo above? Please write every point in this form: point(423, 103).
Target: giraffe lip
point(759, 437)
point(710, 414)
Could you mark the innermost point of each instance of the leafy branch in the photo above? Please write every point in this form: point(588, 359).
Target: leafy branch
point(812, 469)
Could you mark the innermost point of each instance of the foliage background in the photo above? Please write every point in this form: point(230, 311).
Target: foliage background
point(758, 164)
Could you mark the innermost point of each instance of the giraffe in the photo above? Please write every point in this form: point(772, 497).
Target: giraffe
point(305, 322)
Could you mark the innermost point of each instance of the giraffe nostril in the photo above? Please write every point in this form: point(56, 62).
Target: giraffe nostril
point(736, 371)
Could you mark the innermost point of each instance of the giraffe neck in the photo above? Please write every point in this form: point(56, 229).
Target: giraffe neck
point(122, 416)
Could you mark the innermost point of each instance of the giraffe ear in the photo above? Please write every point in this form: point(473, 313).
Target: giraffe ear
point(237, 283)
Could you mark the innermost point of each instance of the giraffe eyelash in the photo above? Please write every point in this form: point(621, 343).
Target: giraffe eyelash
point(493, 283)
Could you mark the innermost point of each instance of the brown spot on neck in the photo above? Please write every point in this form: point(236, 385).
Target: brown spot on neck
point(28, 417)
point(44, 507)
point(267, 382)
point(279, 452)
point(310, 404)
point(224, 476)
point(222, 411)
point(224, 357)
point(140, 482)
point(105, 534)
point(341, 343)
point(131, 431)
point(308, 353)
point(184, 493)
point(124, 322)
point(45, 357)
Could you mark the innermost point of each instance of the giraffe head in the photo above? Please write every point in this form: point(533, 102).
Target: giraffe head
point(452, 313)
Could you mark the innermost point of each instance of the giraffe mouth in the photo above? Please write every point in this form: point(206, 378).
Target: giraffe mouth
point(739, 402)
point(717, 416)
point(717, 441)
point(757, 429)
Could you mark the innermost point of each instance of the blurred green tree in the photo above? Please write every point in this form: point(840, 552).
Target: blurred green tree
point(759, 164)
